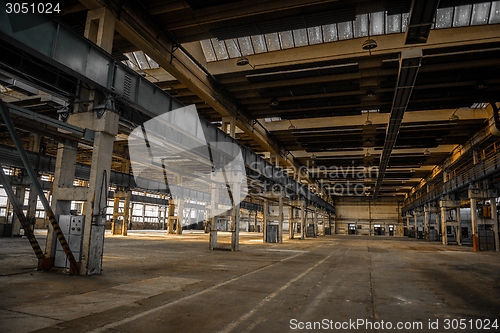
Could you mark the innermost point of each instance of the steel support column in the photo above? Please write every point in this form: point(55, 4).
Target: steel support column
point(74, 266)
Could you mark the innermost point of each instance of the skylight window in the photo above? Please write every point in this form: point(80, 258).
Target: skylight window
point(380, 24)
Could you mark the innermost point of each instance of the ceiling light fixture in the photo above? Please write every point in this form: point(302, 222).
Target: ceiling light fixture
point(427, 151)
point(292, 127)
point(368, 122)
point(370, 43)
point(243, 61)
point(454, 117)
point(313, 156)
point(274, 102)
point(370, 93)
point(480, 85)
point(367, 154)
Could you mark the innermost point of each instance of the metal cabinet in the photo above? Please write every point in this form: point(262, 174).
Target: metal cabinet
point(72, 229)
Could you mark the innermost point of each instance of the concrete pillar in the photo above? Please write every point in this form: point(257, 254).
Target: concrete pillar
point(315, 222)
point(213, 220)
point(494, 217)
point(180, 215)
point(302, 219)
point(235, 217)
point(443, 226)
point(171, 216)
point(280, 219)
point(100, 27)
point(229, 126)
point(64, 176)
point(274, 159)
point(256, 221)
point(426, 223)
point(415, 217)
point(265, 214)
point(458, 235)
point(473, 216)
point(290, 223)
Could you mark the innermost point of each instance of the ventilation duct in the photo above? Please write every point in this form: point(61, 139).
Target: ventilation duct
point(409, 64)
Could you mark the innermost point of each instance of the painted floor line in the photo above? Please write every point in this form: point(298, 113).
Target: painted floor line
point(247, 315)
point(166, 305)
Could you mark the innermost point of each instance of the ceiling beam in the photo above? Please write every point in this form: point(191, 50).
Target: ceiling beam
point(136, 26)
point(347, 49)
point(416, 151)
point(378, 119)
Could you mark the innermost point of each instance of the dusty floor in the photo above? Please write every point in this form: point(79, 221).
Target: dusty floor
point(153, 282)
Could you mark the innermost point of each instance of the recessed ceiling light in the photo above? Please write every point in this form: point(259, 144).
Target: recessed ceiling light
point(274, 102)
point(370, 93)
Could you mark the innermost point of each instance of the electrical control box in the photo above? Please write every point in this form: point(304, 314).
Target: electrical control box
point(72, 229)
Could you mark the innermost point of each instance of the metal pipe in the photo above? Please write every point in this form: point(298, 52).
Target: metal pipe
point(20, 215)
point(74, 266)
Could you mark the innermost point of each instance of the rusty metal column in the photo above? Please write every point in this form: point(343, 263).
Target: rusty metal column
point(35, 143)
point(494, 217)
point(22, 219)
point(16, 222)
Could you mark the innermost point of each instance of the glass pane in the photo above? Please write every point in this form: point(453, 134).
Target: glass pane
point(315, 35)
point(152, 63)
point(330, 33)
point(393, 25)
point(141, 60)
point(259, 43)
point(462, 16)
point(361, 26)
point(286, 38)
point(345, 30)
point(300, 37)
point(377, 23)
point(273, 42)
point(232, 48)
point(480, 13)
point(404, 21)
point(245, 46)
point(220, 49)
point(208, 51)
point(443, 17)
point(495, 12)
point(132, 63)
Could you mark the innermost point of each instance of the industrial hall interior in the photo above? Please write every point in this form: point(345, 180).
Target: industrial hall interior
point(249, 166)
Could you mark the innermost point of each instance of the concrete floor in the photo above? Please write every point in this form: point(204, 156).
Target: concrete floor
point(154, 282)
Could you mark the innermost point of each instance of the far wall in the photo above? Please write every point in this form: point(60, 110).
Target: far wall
point(365, 213)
